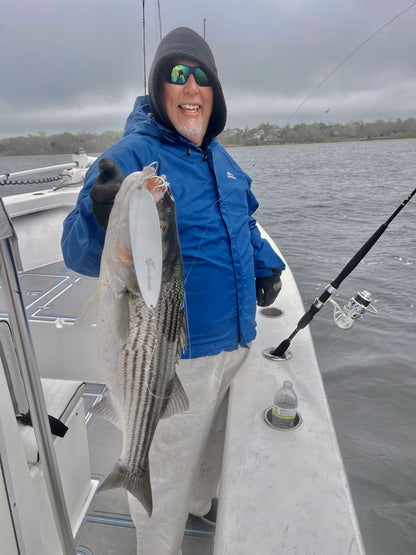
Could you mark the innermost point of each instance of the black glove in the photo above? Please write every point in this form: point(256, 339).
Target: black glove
point(104, 190)
point(267, 288)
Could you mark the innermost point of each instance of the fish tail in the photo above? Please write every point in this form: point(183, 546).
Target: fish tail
point(137, 483)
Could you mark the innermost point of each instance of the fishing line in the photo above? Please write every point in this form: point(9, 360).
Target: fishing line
point(161, 397)
point(164, 397)
point(147, 384)
point(195, 257)
point(279, 352)
point(341, 63)
point(203, 235)
point(163, 183)
point(348, 57)
point(174, 393)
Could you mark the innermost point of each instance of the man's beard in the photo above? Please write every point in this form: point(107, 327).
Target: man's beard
point(186, 132)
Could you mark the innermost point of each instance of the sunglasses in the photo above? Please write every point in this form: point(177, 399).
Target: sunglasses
point(179, 75)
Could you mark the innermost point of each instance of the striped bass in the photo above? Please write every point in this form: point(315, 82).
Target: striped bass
point(139, 346)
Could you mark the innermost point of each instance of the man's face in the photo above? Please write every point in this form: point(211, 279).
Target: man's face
point(188, 106)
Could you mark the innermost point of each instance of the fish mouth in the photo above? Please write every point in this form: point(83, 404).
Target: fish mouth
point(157, 186)
point(152, 182)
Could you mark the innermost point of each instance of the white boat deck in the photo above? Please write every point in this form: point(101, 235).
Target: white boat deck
point(287, 488)
point(281, 492)
point(53, 296)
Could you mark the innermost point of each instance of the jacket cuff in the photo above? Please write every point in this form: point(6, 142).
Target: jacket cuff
point(267, 272)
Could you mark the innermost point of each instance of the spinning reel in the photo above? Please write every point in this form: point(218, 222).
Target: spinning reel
point(345, 317)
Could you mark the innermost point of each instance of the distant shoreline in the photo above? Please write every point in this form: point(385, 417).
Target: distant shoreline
point(337, 141)
point(340, 141)
point(264, 135)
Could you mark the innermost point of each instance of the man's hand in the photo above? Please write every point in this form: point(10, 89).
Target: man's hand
point(104, 190)
point(267, 288)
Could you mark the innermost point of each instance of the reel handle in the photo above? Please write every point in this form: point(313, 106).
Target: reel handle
point(353, 310)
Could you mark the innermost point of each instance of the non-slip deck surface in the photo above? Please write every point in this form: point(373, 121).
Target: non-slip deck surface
point(55, 292)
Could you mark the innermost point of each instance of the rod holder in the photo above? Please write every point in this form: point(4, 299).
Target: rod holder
point(267, 353)
point(269, 421)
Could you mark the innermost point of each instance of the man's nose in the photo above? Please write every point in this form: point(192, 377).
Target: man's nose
point(191, 86)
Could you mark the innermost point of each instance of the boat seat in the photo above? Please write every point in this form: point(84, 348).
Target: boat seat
point(61, 397)
point(64, 401)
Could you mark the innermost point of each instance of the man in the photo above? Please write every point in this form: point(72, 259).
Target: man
point(226, 265)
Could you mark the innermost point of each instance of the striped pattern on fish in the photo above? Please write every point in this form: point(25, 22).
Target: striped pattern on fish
point(139, 346)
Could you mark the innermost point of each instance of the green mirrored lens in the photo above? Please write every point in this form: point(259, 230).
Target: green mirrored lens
point(179, 74)
point(201, 77)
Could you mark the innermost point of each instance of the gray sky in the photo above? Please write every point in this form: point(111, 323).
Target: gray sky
point(76, 65)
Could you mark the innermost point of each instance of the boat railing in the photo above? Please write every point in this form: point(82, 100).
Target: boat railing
point(25, 173)
point(72, 172)
point(32, 383)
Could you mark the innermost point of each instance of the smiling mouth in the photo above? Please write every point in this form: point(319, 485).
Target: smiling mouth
point(190, 107)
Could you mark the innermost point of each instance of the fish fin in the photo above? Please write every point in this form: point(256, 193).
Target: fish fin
point(178, 400)
point(105, 409)
point(88, 314)
point(137, 483)
point(122, 316)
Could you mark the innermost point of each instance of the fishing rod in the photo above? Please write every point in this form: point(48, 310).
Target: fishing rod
point(144, 46)
point(319, 302)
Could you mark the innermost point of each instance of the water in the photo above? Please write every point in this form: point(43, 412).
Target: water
point(321, 203)
point(10, 164)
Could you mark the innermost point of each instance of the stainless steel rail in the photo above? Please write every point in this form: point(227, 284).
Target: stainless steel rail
point(31, 378)
point(39, 170)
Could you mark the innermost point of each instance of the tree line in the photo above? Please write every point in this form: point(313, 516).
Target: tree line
point(62, 143)
point(320, 132)
point(265, 133)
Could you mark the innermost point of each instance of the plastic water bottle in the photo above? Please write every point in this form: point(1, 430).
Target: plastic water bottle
point(285, 406)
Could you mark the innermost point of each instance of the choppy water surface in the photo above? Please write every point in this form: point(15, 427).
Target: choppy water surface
point(321, 203)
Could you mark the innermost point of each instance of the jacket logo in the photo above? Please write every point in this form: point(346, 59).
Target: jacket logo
point(231, 176)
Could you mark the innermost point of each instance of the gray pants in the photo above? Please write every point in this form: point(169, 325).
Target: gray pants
point(186, 454)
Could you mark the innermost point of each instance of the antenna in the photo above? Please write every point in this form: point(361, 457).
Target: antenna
point(144, 48)
point(160, 20)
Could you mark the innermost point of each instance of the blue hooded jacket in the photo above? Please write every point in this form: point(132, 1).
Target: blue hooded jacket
point(222, 250)
point(221, 246)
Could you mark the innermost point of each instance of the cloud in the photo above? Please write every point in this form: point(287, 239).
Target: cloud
point(84, 113)
point(390, 101)
point(70, 66)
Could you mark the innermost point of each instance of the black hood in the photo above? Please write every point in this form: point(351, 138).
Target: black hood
point(186, 43)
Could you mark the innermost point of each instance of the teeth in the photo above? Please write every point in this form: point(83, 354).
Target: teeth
point(190, 106)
